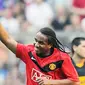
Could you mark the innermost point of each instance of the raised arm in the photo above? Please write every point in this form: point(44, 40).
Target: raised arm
point(7, 40)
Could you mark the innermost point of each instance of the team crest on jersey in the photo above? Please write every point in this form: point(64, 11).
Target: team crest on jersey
point(52, 66)
point(36, 74)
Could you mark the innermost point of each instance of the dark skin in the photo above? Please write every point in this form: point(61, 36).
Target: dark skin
point(41, 47)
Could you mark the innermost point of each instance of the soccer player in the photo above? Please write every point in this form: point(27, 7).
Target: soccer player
point(46, 61)
point(78, 57)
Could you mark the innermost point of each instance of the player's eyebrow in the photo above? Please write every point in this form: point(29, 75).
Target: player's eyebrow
point(40, 41)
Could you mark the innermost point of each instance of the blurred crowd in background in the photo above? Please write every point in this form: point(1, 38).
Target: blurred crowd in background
point(23, 18)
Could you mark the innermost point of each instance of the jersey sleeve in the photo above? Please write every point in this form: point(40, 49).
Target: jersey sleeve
point(69, 69)
point(22, 52)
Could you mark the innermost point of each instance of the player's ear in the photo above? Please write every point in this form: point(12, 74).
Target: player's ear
point(74, 48)
point(50, 45)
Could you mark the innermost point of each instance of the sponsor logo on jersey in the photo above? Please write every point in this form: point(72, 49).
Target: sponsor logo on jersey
point(36, 74)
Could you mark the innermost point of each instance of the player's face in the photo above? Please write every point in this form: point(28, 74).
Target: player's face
point(80, 50)
point(41, 44)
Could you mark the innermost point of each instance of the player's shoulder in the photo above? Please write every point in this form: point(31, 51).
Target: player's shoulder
point(64, 55)
point(30, 47)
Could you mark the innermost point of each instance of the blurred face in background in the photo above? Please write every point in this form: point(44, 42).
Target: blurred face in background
point(60, 10)
point(75, 19)
point(80, 49)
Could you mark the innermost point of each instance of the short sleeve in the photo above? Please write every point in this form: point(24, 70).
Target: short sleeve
point(69, 70)
point(22, 52)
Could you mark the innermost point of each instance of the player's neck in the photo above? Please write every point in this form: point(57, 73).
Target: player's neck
point(46, 54)
point(77, 59)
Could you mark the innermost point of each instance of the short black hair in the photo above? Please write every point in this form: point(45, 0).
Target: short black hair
point(52, 38)
point(76, 41)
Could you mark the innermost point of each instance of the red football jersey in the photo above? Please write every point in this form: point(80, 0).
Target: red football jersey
point(51, 63)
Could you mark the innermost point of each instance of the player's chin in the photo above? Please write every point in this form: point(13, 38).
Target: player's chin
point(37, 51)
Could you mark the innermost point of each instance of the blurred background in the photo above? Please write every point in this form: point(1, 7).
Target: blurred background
point(23, 18)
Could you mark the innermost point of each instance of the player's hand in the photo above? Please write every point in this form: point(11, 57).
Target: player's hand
point(43, 81)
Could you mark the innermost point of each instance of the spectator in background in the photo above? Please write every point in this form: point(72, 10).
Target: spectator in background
point(39, 14)
point(9, 22)
point(78, 57)
point(61, 18)
point(78, 7)
point(18, 8)
point(15, 77)
point(64, 3)
point(75, 24)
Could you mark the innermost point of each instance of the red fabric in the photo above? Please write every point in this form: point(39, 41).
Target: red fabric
point(66, 72)
point(79, 4)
